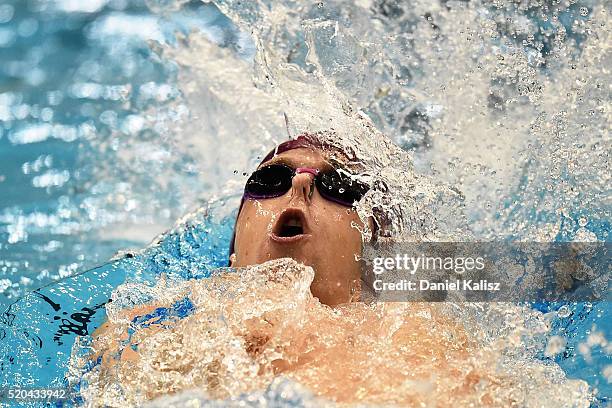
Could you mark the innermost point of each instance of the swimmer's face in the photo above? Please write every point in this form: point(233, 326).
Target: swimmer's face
point(303, 225)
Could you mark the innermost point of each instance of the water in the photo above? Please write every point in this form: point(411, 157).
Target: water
point(263, 322)
point(501, 109)
point(85, 139)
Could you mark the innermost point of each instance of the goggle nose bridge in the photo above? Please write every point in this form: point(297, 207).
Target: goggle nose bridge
point(312, 171)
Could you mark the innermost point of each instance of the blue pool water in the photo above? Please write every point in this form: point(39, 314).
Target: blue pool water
point(75, 80)
point(39, 330)
point(86, 171)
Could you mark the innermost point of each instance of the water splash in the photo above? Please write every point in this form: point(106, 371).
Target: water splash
point(500, 100)
point(488, 102)
point(502, 108)
point(92, 162)
point(248, 327)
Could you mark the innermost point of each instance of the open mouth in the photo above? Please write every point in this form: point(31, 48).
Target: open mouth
point(290, 226)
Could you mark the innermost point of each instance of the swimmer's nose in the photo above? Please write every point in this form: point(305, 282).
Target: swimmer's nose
point(303, 183)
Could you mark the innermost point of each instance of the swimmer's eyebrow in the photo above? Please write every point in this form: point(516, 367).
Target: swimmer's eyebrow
point(292, 163)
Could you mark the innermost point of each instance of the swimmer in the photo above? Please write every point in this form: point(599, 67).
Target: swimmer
point(300, 204)
point(246, 329)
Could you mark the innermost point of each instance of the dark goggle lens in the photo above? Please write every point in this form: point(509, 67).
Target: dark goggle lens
point(339, 188)
point(269, 181)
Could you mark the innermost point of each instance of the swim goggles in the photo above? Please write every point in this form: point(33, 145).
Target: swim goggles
point(276, 179)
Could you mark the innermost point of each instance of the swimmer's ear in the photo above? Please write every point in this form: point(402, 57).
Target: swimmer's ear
point(232, 259)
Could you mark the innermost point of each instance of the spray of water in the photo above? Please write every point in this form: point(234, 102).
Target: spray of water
point(475, 120)
point(262, 322)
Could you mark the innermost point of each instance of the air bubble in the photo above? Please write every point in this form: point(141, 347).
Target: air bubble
point(564, 311)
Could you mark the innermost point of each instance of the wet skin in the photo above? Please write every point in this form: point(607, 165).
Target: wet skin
point(329, 241)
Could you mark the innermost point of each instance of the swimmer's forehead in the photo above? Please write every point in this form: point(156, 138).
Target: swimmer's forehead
point(322, 159)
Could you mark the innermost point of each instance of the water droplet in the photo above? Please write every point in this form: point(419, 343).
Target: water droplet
point(556, 345)
point(564, 311)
